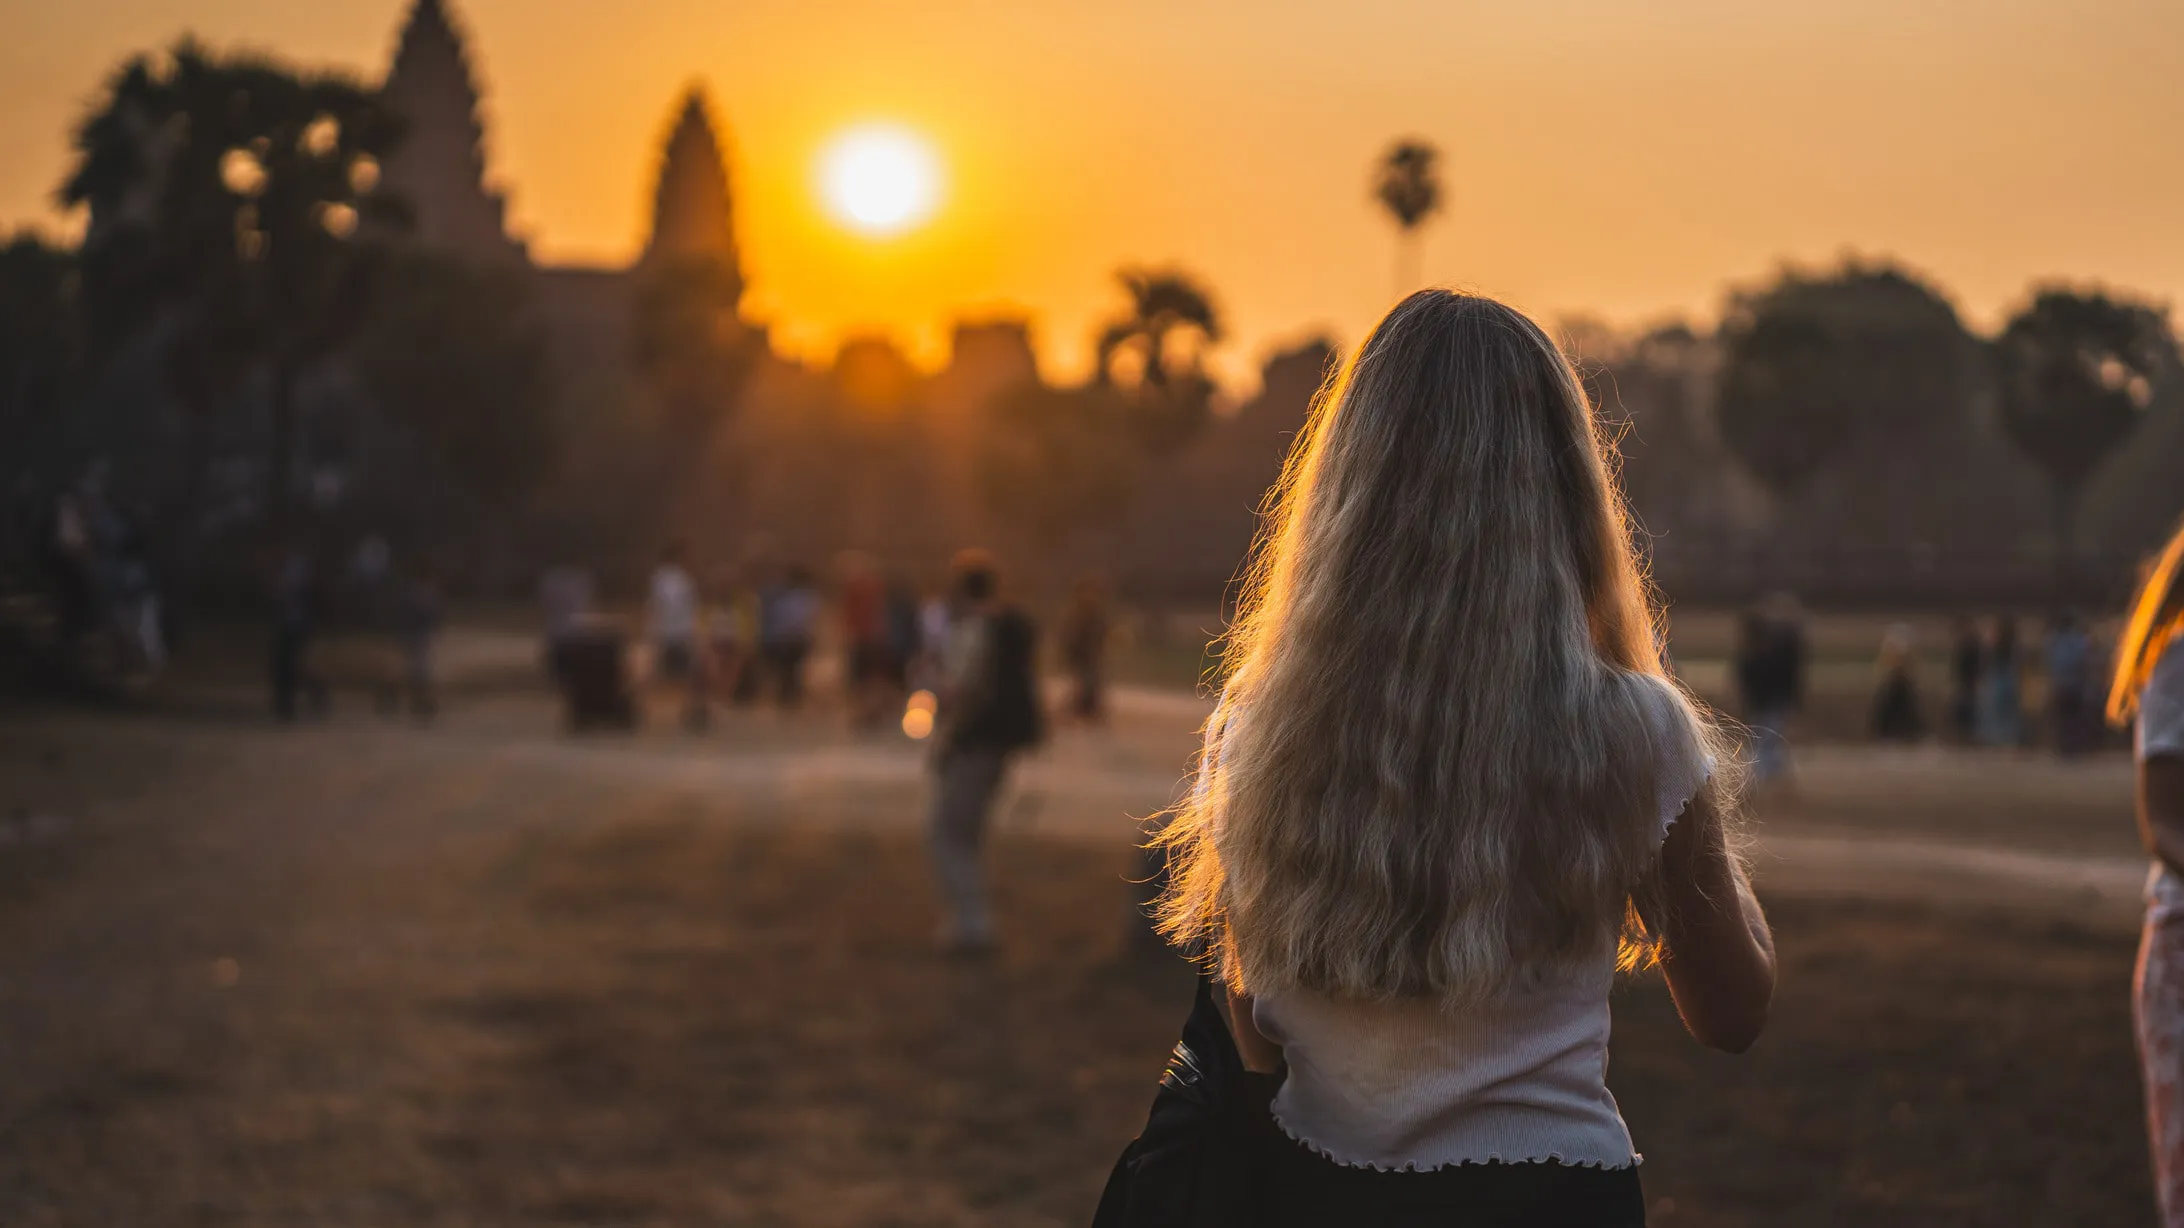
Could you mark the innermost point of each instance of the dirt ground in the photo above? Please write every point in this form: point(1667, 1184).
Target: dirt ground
point(363, 973)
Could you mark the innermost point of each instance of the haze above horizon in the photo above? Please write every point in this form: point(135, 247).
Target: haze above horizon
point(1601, 158)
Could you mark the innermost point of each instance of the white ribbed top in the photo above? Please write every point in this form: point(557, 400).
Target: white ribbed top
point(1409, 1085)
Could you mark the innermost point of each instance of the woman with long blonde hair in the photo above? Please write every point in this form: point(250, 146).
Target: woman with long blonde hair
point(1449, 790)
point(2149, 685)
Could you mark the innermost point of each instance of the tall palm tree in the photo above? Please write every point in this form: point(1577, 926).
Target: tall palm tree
point(1407, 183)
point(1163, 304)
point(1173, 396)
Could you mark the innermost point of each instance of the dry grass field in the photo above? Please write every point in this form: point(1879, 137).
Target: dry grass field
point(366, 973)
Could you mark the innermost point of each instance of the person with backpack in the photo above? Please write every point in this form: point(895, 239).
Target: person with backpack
point(989, 712)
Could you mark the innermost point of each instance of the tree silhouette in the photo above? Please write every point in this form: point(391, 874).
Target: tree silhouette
point(225, 196)
point(1811, 363)
point(1172, 397)
point(40, 341)
point(159, 256)
point(1407, 184)
point(2074, 373)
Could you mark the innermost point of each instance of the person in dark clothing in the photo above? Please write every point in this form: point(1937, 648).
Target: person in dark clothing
point(1084, 649)
point(1770, 673)
point(904, 636)
point(1967, 665)
point(1896, 714)
point(2001, 703)
point(2070, 665)
point(989, 713)
point(297, 601)
point(788, 614)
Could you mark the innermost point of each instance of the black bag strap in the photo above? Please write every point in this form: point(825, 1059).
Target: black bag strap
point(1190, 1167)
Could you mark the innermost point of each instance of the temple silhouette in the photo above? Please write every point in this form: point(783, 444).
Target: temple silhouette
point(905, 439)
point(868, 453)
point(439, 170)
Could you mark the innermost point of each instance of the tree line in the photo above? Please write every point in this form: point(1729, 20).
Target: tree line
point(243, 260)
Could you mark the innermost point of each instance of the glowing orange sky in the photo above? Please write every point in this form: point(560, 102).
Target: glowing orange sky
point(1627, 160)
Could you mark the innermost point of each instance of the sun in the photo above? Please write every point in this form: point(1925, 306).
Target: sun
point(879, 179)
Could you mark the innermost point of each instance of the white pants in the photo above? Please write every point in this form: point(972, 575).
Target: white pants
point(2157, 1002)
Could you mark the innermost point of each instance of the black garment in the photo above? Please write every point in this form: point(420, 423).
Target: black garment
point(1001, 710)
point(1211, 1156)
point(785, 668)
point(1770, 668)
point(1966, 668)
point(1896, 716)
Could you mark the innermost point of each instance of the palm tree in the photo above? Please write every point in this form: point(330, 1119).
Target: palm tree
point(1163, 304)
point(225, 197)
point(1408, 185)
point(1173, 397)
point(2075, 374)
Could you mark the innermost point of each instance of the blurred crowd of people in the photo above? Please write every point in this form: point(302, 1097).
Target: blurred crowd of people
point(957, 665)
point(751, 635)
point(2001, 691)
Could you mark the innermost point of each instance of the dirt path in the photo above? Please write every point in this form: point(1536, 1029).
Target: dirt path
point(366, 974)
point(1871, 823)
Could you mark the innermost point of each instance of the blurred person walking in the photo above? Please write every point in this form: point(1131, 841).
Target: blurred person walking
point(1967, 665)
point(905, 634)
point(989, 713)
point(732, 638)
point(1897, 716)
point(866, 672)
point(2071, 708)
point(1770, 675)
point(2149, 685)
point(2001, 689)
point(1085, 631)
point(419, 627)
point(1447, 792)
point(788, 614)
point(297, 602)
point(565, 601)
point(935, 621)
point(672, 616)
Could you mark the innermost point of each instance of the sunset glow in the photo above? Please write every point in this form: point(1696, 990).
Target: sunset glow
point(1626, 162)
point(879, 179)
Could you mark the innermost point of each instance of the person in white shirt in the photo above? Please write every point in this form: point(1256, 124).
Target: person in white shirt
point(2149, 685)
point(672, 614)
point(1448, 792)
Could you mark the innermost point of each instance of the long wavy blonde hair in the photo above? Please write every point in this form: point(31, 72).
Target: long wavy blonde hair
point(2157, 616)
point(1435, 767)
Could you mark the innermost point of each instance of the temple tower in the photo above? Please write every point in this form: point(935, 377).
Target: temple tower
point(439, 165)
point(691, 214)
